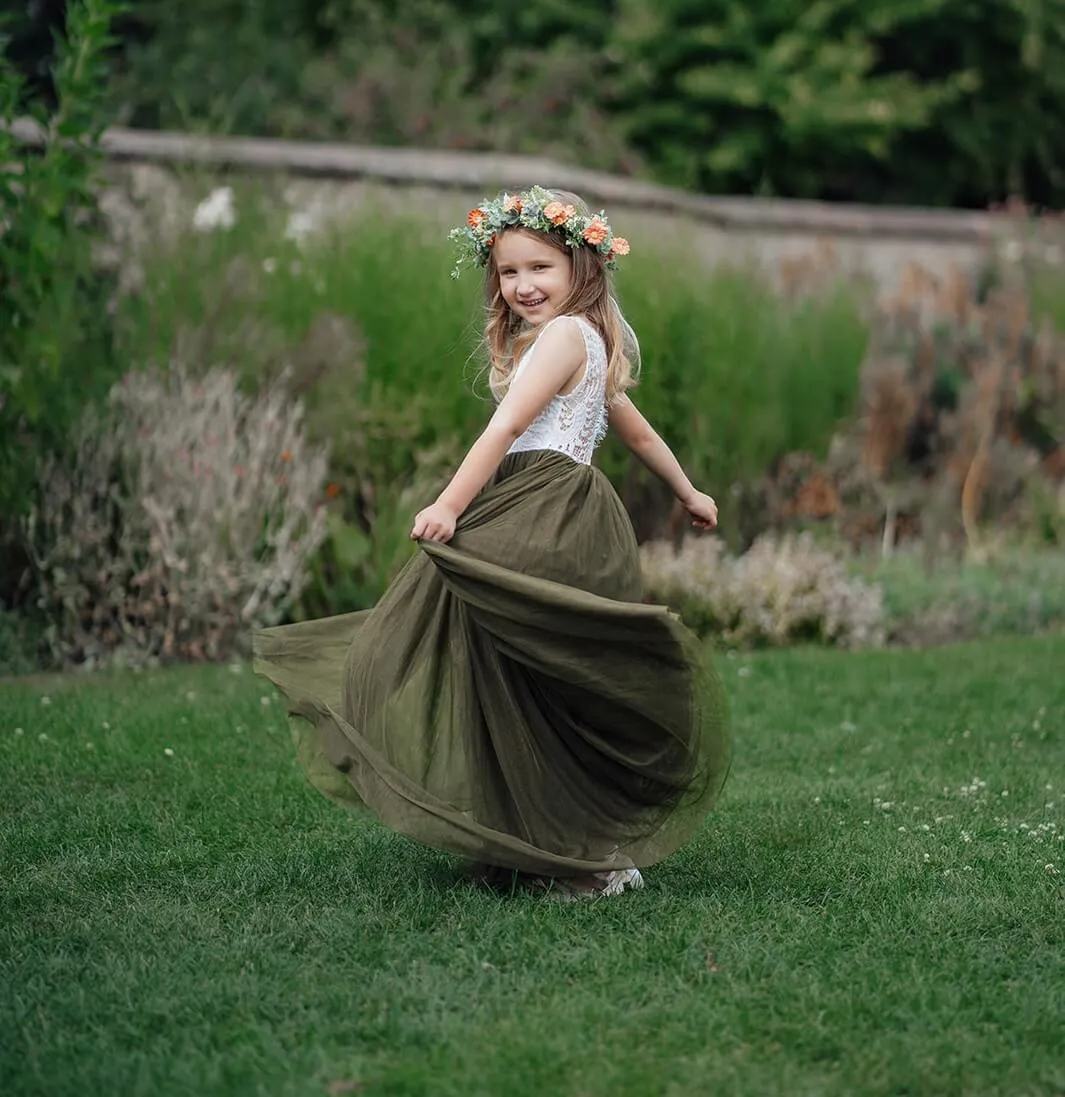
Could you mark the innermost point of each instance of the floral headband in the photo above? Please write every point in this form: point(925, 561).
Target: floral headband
point(538, 210)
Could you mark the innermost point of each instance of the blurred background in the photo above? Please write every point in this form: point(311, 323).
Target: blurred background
point(227, 380)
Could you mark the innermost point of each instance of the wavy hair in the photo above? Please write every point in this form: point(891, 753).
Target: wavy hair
point(507, 336)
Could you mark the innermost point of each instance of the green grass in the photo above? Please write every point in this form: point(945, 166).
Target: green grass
point(859, 916)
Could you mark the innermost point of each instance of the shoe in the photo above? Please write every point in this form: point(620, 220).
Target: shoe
point(597, 885)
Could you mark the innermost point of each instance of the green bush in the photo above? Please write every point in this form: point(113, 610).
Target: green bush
point(932, 101)
point(55, 349)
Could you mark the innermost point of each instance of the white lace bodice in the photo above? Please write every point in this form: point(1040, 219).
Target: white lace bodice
point(574, 423)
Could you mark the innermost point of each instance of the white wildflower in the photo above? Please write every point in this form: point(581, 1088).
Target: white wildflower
point(301, 223)
point(168, 752)
point(216, 211)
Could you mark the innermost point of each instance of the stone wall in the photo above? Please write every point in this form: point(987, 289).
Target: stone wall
point(156, 179)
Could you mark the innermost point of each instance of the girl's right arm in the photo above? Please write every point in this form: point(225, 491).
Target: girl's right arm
point(642, 439)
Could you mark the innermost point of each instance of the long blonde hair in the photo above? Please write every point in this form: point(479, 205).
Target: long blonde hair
point(507, 336)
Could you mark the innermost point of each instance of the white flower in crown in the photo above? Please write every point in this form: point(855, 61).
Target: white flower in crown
point(538, 210)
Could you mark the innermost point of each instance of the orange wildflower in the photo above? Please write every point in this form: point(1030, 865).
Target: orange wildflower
point(513, 202)
point(475, 217)
point(332, 490)
point(596, 232)
point(621, 245)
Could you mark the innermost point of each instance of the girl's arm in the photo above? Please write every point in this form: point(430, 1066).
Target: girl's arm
point(642, 439)
point(558, 354)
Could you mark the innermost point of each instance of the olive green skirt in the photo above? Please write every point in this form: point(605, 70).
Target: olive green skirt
point(511, 699)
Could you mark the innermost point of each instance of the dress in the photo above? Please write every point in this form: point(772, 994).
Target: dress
point(511, 698)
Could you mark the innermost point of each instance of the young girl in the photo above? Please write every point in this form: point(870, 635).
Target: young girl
point(511, 698)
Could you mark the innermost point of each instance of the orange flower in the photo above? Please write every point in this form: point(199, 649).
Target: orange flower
point(286, 455)
point(621, 245)
point(557, 213)
point(596, 232)
point(513, 202)
point(491, 241)
point(332, 490)
point(475, 217)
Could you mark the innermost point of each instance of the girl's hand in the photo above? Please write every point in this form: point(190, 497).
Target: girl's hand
point(435, 523)
point(702, 509)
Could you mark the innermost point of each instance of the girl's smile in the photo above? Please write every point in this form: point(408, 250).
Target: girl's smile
point(534, 277)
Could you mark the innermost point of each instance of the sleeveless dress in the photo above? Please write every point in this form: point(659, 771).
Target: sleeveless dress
point(511, 698)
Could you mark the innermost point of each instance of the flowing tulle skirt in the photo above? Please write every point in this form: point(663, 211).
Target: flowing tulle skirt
point(511, 698)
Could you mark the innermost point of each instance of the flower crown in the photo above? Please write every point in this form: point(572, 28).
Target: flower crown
point(538, 210)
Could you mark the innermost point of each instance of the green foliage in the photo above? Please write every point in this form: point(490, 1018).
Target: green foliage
point(358, 70)
point(213, 65)
point(916, 101)
point(921, 101)
point(54, 323)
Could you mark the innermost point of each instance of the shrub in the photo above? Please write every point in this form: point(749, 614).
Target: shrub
point(55, 350)
point(781, 591)
point(189, 513)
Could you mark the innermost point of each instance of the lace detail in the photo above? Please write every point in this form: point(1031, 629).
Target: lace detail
point(574, 423)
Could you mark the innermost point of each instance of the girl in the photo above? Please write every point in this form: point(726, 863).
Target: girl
point(511, 698)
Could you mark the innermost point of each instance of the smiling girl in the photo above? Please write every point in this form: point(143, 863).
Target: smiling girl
point(512, 698)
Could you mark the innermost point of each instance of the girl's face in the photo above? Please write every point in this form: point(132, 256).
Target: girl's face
point(534, 277)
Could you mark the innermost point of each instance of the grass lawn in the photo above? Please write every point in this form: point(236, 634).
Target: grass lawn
point(878, 906)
